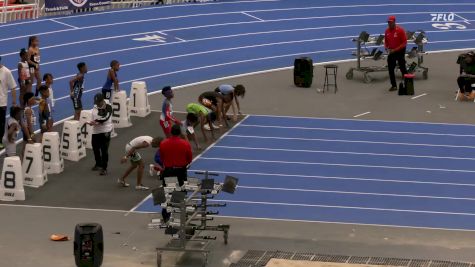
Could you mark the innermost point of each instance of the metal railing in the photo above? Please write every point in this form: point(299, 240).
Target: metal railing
point(18, 12)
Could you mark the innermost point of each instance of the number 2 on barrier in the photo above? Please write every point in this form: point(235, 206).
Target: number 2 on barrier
point(134, 101)
point(116, 109)
point(9, 180)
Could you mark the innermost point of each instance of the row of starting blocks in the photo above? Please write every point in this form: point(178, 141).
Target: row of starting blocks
point(47, 157)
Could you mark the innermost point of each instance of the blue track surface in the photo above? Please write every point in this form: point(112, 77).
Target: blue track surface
point(402, 174)
point(347, 171)
point(213, 40)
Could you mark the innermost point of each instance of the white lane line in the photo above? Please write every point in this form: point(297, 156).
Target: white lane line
point(421, 95)
point(162, 33)
point(64, 24)
point(342, 152)
point(346, 141)
point(338, 164)
point(353, 130)
point(344, 207)
point(194, 160)
point(359, 179)
point(254, 17)
point(362, 114)
point(180, 39)
point(353, 193)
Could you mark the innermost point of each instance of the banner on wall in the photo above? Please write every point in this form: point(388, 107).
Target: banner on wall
point(64, 5)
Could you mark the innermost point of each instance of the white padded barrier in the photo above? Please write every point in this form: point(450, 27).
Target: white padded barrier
point(52, 159)
point(138, 100)
point(120, 113)
point(86, 129)
point(72, 147)
point(11, 181)
point(33, 168)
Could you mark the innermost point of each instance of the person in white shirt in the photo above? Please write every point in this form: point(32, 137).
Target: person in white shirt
point(12, 128)
point(7, 82)
point(101, 132)
point(136, 161)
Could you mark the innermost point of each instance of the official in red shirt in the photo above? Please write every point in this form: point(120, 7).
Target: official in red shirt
point(395, 42)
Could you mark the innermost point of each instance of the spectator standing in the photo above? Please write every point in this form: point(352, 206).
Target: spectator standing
point(395, 42)
point(111, 80)
point(24, 76)
point(11, 131)
point(34, 60)
point(76, 87)
point(7, 82)
point(176, 155)
point(101, 132)
point(167, 118)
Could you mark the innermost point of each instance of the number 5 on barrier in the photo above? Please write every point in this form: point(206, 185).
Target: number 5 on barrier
point(71, 141)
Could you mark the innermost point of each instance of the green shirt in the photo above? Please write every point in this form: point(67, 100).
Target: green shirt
point(197, 109)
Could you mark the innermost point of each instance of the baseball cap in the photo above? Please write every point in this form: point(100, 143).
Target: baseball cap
point(98, 98)
point(391, 18)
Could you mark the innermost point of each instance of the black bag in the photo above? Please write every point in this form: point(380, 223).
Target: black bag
point(402, 89)
point(303, 72)
point(409, 85)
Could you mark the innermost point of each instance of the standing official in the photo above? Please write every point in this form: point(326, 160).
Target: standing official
point(395, 42)
point(7, 82)
point(101, 132)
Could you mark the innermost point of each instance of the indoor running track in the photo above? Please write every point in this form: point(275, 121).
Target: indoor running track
point(183, 44)
point(347, 171)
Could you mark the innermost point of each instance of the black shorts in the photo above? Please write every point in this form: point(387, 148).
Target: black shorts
point(77, 103)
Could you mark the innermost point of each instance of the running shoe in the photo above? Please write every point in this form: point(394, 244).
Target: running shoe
point(103, 172)
point(122, 183)
point(141, 187)
point(206, 127)
point(95, 168)
point(151, 170)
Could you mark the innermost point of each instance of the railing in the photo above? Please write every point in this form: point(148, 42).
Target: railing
point(18, 12)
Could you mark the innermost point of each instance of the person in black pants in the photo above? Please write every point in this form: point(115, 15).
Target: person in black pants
point(7, 82)
point(176, 155)
point(395, 41)
point(101, 132)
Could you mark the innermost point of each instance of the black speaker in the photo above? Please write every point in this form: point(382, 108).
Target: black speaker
point(88, 245)
point(303, 72)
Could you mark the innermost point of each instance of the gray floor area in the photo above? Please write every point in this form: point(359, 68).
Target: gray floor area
point(25, 230)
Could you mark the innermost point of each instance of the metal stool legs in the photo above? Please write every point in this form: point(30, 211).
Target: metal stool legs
point(330, 70)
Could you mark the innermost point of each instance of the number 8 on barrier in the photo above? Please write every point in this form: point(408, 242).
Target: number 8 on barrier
point(11, 180)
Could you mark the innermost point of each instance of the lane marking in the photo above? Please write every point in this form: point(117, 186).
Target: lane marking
point(343, 207)
point(421, 95)
point(347, 141)
point(338, 164)
point(353, 130)
point(342, 152)
point(353, 193)
point(183, 40)
point(194, 160)
point(346, 223)
point(65, 24)
point(254, 17)
point(362, 114)
point(359, 179)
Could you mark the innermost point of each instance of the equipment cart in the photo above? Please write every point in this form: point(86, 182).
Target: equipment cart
point(189, 213)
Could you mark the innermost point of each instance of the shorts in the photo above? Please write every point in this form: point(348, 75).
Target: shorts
point(77, 103)
point(167, 127)
point(10, 148)
point(24, 82)
point(107, 94)
point(136, 157)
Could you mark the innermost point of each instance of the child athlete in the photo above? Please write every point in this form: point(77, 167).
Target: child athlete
point(24, 76)
point(76, 87)
point(111, 80)
point(167, 118)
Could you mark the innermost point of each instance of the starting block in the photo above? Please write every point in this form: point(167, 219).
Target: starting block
point(138, 100)
point(72, 147)
point(11, 181)
point(86, 129)
point(120, 113)
point(33, 167)
point(52, 159)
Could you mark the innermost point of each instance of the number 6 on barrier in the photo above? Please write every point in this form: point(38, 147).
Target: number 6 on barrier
point(11, 180)
point(53, 161)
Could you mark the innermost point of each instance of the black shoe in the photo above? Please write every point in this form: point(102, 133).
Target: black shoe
point(393, 88)
point(96, 168)
point(103, 172)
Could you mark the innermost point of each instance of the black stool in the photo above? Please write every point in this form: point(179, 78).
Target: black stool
point(330, 70)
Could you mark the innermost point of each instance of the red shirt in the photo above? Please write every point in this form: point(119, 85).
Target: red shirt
point(395, 39)
point(175, 152)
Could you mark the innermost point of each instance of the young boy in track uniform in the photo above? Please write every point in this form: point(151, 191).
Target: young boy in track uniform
point(188, 131)
point(214, 101)
point(230, 94)
point(44, 110)
point(12, 128)
point(24, 76)
point(136, 161)
point(76, 87)
point(205, 116)
point(28, 120)
point(167, 118)
point(48, 80)
point(111, 80)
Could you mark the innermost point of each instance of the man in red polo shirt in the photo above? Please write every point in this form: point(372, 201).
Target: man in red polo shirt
point(395, 42)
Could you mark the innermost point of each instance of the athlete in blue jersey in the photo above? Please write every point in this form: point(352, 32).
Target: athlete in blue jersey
point(76, 87)
point(111, 80)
